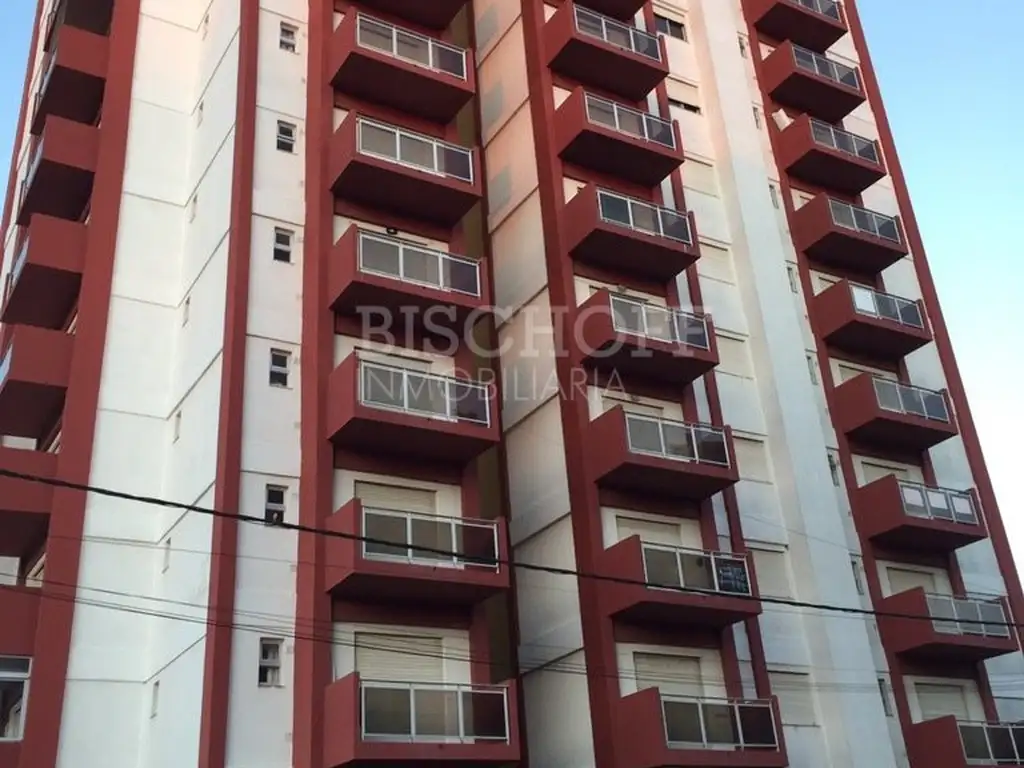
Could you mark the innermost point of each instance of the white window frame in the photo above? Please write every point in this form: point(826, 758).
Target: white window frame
point(286, 137)
point(24, 678)
point(272, 507)
point(270, 666)
point(284, 242)
point(278, 369)
point(288, 37)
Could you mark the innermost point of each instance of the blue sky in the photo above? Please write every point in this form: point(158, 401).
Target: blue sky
point(948, 81)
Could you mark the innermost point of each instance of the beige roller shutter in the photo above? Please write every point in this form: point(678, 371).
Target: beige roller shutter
point(937, 700)
point(673, 675)
point(399, 658)
point(874, 472)
point(380, 496)
point(902, 579)
point(796, 697)
point(685, 533)
point(772, 574)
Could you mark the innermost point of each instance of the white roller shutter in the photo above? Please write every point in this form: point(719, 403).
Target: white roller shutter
point(394, 497)
point(937, 700)
point(903, 579)
point(872, 471)
point(685, 533)
point(796, 698)
point(673, 675)
point(399, 658)
point(772, 574)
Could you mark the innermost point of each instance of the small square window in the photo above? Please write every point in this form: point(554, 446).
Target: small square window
point(206, 26)
point(193, 206)
point(177, 426)
point(773, 192)
point(883, 690)
point(199, 114)
point(794, 280)
point(743, 46)
point(812, 368)
point(186, 309)
point(833, 468)
point(154, 699)
point(280, 363)
point(14, 679)
point(283, 239)
point(757, 118)
point(274, 504)
point(670, 27)
point(285, 136)
point(270, 662)
point(167, 555)
point(858, 579)
point(288, 37)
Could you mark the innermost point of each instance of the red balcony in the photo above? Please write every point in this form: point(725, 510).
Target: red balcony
point(961, 629)
point(658, 730)
point(407, 173)
point(647, 341)
point(384, 64)
point(812, 83)
point(862, 320)
point(897, 514)
point(88, 15)
point(25, 506)
point(610, 230)
point(660, 457)
point(399, 572)
point(58, 171)
point(951, 743)
point(437, 14)
point(830, 157)
point(381, 408)
point(47, 273)
point(70, 79)
point(598, 51)
point(843, 235)
point(34, 374)
point(611, 138)
point(707, 589)
point(20, 608)
point(415, 725)
point(814, 24)
point(881, 412)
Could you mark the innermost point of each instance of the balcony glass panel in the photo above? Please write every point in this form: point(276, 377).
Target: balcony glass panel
point(676, 440)
point(19, 262)
point(412, 263)
point(661, 323)
point(886, 306)
point(910, 400)
point(431, 713)
point(982, 617)
point(630, 121)
point(844, 141)
point(937, 504)
point(409, 46)
point(692, 723)
point(404, 535)
point(415, 150)
point(828, 8)
point(420, 394)
point(617, 34)
point(677, 567)
point(993, 743)
point(865, 221)
point(825, 67)
point(644, 217)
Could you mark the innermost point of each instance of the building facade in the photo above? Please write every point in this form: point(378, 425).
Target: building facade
point(487, 382)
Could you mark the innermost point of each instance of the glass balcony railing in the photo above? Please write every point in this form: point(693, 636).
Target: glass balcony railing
point(718, 724)
point(643, 217)
point(19, 261)
point(411, 47)
point(631, 122)
point(422, 394)
point(618, 34)
point(843, 141)
point(5, 364)
point(867, 301)
point(412, 263)
point(419, 539)
point(434, 713)
point(928, 503)
point(992, 743)
point(828, 8)
point(676, 440)
point(415, 150)
point(825, 67)
point(661, 323)
point(680, 568)
point(970, 617)
point(862, 220)
point(910, 400)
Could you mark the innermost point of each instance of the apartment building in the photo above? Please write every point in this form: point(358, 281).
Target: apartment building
point(485, 383)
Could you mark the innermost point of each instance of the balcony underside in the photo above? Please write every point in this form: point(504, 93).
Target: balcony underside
point(788, 20)
point(46, 286)
point(19, 607)
point(436, 14)
point(815, 95)
point(25, 506)
point(88, 15)
point(835, 170)
point(74, 88)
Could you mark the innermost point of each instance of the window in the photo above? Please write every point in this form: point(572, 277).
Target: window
point(833, 468)
point(199, 114)
point(280, 362)
point(670, 27)
point(185, 308)
point(283, 244)
point(193, 206)
point(14, 673)
point(274, 504)
point(285, 136)
point(812, 369)
point(154, 699)
point(858, 579)
point(177, 426)
point(206, 26)
point(743, 46)
point(167, 555)
point(287, 39)
point(796, 697)
point(772, 572)
point(793, 279)
point(270, 662)
point(774, 193)
point(757, 118)
point(883, 690)
point(684, 105)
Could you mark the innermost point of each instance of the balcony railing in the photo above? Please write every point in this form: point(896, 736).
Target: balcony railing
point(644, 217)
point(863, 220)
point(828, 8)
point(617, 34)
point(19, 261)
point(692, 569)
point(843, 141)
point(929, 503)
point(661, 323)
point(978, 617)
point(411, 47)
point(421, 394)
point(5, 364)
point(911, 400)
point(696, 723)
point(825, 67)
point(632, 122)
point(469, 543)
point(415, 150)
point(867, 301)
point(434, 713)
point(676, 440)
point(412, 263)
point(993, 743)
